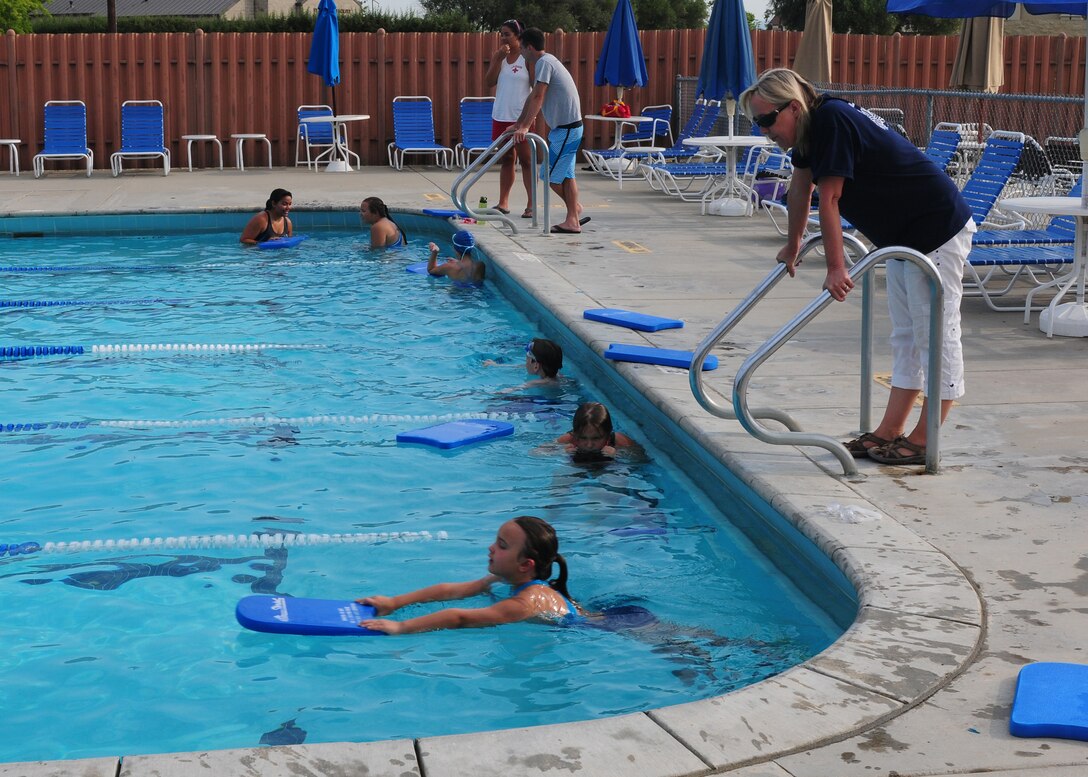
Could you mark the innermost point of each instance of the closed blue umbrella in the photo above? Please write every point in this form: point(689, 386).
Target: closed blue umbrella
point(325, 47)
point(728, 66)
point(622, 62)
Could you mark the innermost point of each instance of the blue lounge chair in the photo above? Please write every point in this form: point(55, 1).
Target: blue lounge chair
point(475, 128)
point(703, 115)
point(141, 134)
point(943, 146)
point(651, 133)
point(313, 135)
point(65, 135)
point(413, 132)
point(1000, 156)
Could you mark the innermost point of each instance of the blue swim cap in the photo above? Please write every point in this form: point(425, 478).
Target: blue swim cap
point(464, 241)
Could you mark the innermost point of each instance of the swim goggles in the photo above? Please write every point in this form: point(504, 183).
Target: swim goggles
point(529, 352)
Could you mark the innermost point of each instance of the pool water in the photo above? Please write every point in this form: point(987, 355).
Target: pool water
point(301, 439)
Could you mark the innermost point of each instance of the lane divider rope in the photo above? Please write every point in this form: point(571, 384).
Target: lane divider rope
point(50, 303)
point(311, 420)
point(27, 351)
point(206, 541)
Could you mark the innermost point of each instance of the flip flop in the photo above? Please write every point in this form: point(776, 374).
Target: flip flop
point(503, 211)
point(564, 231)
point(527, 213)
point(584, 220)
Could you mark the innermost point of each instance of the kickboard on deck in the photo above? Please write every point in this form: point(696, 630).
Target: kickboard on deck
point(645, 354)
point(1051, 700)
point(453, 434)
point(292, 615)
point(643, 322)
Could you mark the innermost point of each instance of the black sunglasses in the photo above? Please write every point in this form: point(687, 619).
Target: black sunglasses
point(767, 120)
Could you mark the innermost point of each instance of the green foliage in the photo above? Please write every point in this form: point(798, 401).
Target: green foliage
point(863, 17)
point(572, 15)
point(16, 14)
point(359, 21)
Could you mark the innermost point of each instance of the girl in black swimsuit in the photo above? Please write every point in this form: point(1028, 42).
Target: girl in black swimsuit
point(262, 227)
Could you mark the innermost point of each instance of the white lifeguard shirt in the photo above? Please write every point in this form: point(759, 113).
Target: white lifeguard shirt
point(512, 90)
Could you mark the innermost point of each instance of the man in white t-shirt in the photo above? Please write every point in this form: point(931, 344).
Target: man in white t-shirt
point(556, 97)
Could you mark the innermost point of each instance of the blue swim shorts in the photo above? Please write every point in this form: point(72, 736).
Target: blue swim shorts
point(563, 147)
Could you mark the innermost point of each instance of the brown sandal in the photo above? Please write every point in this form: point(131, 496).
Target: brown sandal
point(892, 453)
point(859, 450)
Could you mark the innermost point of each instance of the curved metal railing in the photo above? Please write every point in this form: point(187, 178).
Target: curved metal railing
point(861, 269)
point(695, 377)
point(538, 149)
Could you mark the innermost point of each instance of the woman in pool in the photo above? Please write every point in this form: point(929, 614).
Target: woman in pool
point(521, 556)
point(272, 222)
point(591, 433)
point(384, 232)
point(463, 269)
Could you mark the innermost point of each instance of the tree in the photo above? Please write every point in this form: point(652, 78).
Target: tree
point(15, 14)
point(863, 17)
point(571, 15)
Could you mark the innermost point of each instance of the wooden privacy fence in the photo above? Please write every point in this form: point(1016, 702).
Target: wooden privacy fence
point(224, 83)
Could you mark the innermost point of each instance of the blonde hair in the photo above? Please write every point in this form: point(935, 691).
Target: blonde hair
point(781, 86)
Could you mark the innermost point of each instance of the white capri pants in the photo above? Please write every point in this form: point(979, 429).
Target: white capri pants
point(908, 306)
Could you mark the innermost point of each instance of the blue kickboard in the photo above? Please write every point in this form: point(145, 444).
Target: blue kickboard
point(645, 354)
point(282, 242)
point(640, 321)
point(454, 434)
point(1051, 700)
point(445, 214)
point(421, 267)
point(290, 615)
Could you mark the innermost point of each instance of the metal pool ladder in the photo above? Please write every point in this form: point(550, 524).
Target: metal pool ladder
point(794, 435)
point(487, 160)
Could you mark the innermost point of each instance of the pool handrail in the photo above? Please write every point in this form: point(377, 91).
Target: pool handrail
point(860, 270)
point(695, 377)
point(484, 162)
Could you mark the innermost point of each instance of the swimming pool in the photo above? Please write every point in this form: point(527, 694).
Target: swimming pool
point(356, 367)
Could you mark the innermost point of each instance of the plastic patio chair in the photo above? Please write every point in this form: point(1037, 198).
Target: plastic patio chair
point(142, 134)
point(475, 128)
point(652, 133)
point(318, 135)
point(65, 135)
point(413, 132)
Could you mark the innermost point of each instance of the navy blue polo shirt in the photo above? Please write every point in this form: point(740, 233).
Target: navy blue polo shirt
point(891, 191)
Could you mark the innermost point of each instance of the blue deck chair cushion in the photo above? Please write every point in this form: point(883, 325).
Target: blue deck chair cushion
point(141, 128)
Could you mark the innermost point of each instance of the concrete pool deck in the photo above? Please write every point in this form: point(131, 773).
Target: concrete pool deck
point(963, 576)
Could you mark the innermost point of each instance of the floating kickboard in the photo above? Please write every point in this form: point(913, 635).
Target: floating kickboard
point(282, 242)
point(421, 267)
point(645, 354)
point(1051, 701)
point(290, 615)
point(456, 433)
point(445, 214)
point(640, 321)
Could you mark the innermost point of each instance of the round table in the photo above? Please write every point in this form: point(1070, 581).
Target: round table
point(208, 138)
point(619, 121)
point(338, 160)
point(1071, 318)
point(728, 195)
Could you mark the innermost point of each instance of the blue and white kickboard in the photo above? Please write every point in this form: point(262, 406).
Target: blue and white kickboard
point(645, 354)
point(628, 318)
point(445, 214)
point(282, 242)
point(290, 615)
point(421, 267)
point(1051, 701)
point(454, 434)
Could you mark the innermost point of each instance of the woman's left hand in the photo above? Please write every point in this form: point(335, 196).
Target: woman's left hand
point(384, 626)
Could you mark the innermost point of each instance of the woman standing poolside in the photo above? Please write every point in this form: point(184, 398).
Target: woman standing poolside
point(384, 232)
point(272, 222)
point(511, 76)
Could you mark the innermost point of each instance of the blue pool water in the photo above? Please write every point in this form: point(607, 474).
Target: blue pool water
point(179, 444)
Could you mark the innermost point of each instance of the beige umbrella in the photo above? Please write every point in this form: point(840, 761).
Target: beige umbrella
point(813, 58)
point(980, 55)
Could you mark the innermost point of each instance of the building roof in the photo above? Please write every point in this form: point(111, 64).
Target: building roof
point(141, 7)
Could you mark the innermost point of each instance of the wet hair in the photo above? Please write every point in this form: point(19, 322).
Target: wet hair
point(532, 37)
point(277, 195)
point(542, 548)
point(376, 205)
point(548, 355)
point(514, 26)
point(592, 414)
point(780, 86)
